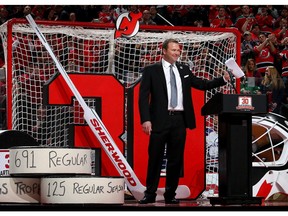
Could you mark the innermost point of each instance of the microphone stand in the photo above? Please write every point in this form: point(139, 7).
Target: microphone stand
point(232, 86)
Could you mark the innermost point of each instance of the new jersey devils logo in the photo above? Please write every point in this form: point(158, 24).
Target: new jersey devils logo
point(127, 25)
point(264, 53)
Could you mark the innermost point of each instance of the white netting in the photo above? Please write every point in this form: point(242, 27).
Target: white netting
point(94, 50)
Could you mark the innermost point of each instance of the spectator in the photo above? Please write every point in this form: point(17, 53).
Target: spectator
point(284, 58)
point(252, 80)
point(265, 52)
point(133, 9)
point(222, 20)
point(27, 10)
point(273, 86)
point(17, 12)
point(213, 12)
point(3, 15)
point(255, 32)
point(173, 16)
point(155, 18)
point(72, 17)
point(50, 14)
point(273, 11)
point(182, 9)
point(61, 13)
point(265, 20)
point(106, 14)
point(235, 11)
point(39, 11)
point(146, 18)
point(91, 13)
point(143, 7)
point(246, 20)
point(177, 14)
point(282, 31)
point(198, 16)
point(247, 46)
point(250, 70)
point(119, 9)
point(283, 15)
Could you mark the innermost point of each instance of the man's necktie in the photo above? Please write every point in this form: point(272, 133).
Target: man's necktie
point(173, 101)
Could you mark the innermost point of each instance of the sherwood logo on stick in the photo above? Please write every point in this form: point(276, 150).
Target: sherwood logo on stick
point(113, 153)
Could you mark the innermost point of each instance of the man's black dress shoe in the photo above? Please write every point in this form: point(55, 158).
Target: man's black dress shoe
point(171, 201)
point(147, 200)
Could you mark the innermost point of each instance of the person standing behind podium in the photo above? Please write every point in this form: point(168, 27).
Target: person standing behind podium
point(167, 123)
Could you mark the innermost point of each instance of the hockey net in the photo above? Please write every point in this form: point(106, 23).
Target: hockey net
point(91, 48)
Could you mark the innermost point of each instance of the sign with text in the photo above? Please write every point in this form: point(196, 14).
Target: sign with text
point(50, 160)
point(19, 190)
point(82, 190)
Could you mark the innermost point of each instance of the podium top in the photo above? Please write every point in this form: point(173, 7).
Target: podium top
point(236, 103)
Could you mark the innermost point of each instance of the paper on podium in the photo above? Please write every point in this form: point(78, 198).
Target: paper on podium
point(236, 70)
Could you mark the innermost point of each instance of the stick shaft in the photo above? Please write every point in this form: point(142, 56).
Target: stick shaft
point(216, 59)
point(89, 115)
point(165, 19)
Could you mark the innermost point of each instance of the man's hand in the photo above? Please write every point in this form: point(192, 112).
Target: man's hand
point(147, 127)
point(226, 76)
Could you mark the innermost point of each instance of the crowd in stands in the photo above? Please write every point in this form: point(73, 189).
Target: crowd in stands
point(264, 47)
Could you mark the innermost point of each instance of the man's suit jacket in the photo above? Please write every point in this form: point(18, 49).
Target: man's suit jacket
point(153, 97)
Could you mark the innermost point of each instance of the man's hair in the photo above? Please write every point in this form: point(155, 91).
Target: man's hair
point(245, 6)
point(167, 41)
point(255, 25)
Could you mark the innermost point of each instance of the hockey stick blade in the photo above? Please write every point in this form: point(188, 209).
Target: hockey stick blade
point(102, 134)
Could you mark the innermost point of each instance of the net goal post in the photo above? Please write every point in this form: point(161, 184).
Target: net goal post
point(91, 48)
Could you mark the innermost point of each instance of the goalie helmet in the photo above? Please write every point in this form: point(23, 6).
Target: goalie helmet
point(269, 140)
point(270, 156)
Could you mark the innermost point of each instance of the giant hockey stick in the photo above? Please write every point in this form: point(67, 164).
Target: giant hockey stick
point(102, 134)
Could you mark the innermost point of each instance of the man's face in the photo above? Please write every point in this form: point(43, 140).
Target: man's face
point(247, 37)
point(245, 10)
point(256, 30)
point(153, 10)
point(262, 38)
point(172, 53)
point(27, 10)
point(284, 13)
point(221, 12)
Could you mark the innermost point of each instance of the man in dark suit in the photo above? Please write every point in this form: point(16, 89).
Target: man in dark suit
point(165, 121)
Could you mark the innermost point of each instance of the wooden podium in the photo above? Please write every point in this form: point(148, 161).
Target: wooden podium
point(235, 145)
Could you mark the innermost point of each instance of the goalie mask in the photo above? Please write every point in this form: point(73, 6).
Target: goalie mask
point(270, 156)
